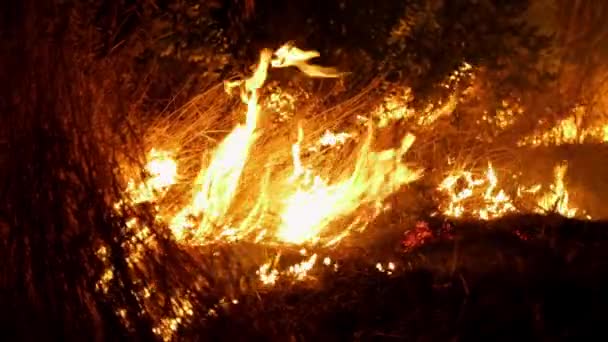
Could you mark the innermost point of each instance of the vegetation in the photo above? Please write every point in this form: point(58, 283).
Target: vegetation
point(82, 81)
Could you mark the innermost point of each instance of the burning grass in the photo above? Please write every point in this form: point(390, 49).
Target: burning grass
point(277, 197)
point(241, 190)
point(214, 210)
point(273, 209)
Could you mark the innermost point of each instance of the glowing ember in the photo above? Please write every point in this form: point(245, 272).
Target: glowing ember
point(395, 107)
point(300, 271)
point(389, 268)
point(182, 310)
point(280, 103)
point(268, 276)
point(296, 272)
point(505, 115)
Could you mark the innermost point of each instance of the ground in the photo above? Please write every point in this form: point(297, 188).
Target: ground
point(518, 278)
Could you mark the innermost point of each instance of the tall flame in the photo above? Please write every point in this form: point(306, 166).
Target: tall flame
point(216, 185)
point(313, 206)
point(306, 213)
point(557, 199)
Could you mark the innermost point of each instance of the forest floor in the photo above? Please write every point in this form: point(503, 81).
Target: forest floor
point(524, 277)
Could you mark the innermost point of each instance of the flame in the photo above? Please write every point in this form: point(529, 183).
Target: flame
point(289, 55)
point(303, 204)
point(464, 190)
point(480, 198)
point(306, 213)
point(333, 139)
point(162, 173)
point(313, 206)
point(557, 199)
point(268, 275)
point(216, 185)
point(570, 131)
point(300, 271)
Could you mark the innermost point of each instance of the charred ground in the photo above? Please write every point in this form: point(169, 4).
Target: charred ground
point(521, 277)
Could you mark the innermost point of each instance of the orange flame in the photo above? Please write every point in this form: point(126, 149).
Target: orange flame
point(462, 188)
point(162, 173)
point(289, 55)
point(313, 206)
point(467, 196)
point(557, 199)
point(308, 211)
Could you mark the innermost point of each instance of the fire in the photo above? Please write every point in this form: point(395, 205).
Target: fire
point(565, 131)
point(464, 191)
point(216, 185)
point(315, 202)
point(269, 275)
point(481, 198)
point(557, 199)
point(161, 170)
point(570, 131)
point(388, 269)
point(302, 203)
point(289, 55)
point(333, 139)
point(398, 105)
